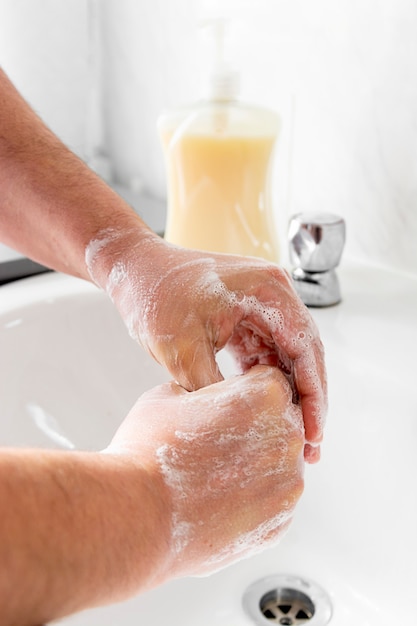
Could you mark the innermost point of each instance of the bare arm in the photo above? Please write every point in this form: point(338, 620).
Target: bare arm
point(78, 529)
point(51, 204)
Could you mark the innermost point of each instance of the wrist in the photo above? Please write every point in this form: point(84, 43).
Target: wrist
point(108, 254)
point(138, 529)
point(127, 264)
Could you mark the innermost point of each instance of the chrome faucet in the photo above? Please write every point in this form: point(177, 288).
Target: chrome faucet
point(316, 242)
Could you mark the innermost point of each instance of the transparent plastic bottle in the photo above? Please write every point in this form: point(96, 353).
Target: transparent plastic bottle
point(218, 156)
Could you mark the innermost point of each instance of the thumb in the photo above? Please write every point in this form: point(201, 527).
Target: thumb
point(195, 366)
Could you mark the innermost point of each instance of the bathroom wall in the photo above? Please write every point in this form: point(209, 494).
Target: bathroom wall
point(342, 72)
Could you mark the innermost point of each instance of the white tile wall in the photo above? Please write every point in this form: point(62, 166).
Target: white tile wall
point(343, 73)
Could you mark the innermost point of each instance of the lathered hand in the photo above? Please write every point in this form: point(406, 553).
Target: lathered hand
point(226, 460)
point(184, 306)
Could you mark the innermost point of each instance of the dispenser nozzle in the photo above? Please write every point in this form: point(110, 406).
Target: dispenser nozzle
point(223, 81)
point(218, 28)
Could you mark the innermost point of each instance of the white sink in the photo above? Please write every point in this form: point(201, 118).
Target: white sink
point(69, 373)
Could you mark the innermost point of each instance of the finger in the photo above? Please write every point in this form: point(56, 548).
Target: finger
point(311, 382)
point(194, 366)
point(249, 348)
point(311, 453)
point(304, 367)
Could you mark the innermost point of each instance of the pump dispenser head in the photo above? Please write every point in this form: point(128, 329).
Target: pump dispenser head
point(223, 80)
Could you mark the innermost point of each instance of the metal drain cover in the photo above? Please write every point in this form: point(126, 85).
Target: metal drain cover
point(287, 606)
point(287, 600)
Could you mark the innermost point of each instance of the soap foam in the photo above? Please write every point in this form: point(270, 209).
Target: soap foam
point(117, 276)
point(236, 461)
point(265, 535)
point(96, 245)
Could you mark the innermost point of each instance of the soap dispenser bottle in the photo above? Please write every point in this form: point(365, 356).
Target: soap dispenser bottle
point(218, 156)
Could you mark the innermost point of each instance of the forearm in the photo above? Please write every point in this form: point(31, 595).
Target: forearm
point(76, 530)
point(51, 204)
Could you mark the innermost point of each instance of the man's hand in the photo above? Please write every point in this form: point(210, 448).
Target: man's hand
point(184, 306)
point(227, 461)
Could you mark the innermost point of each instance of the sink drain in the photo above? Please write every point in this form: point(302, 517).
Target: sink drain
point(287, 600)
point(287, 606)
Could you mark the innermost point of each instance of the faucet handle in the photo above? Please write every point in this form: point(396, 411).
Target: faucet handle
point(316, 241)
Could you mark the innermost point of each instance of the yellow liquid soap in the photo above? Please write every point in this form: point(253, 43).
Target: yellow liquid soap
point(218, 177)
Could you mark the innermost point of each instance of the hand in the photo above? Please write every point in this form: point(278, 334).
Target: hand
point(184, 306)
point(227, 460)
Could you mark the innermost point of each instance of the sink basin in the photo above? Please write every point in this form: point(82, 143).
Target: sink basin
point(69, 374)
